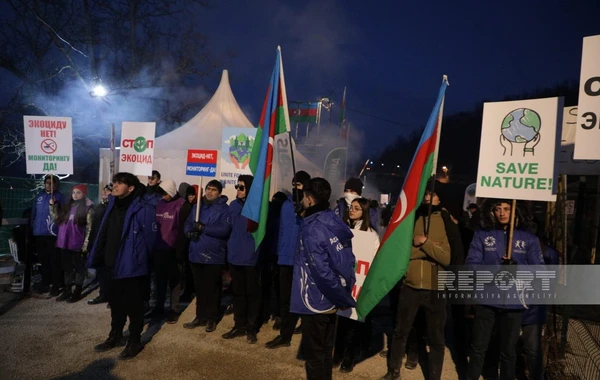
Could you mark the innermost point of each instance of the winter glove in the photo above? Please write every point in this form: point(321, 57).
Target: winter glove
point(198, 227)
point(193, 235)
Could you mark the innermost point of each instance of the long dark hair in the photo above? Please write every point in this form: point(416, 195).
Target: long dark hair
point(523, 215)
point(366, 214)
point(80, 214)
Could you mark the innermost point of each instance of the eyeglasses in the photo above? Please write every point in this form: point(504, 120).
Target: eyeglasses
point(240, 187)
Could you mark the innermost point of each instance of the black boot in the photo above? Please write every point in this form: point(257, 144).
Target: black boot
point(347, 364)
point(133, 348)
point(97, 300)
point(54, 291)
point(66, 294)
point(114, 340)
point(197, 322)
point(76, 295)
point(392, 374)
point(278, 342)
point(234, 333)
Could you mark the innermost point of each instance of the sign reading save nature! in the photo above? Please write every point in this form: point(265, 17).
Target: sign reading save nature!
point(518, 143)
point(137, 147)
point(48, 144)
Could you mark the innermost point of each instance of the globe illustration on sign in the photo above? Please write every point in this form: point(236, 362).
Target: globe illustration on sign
point(521, 126)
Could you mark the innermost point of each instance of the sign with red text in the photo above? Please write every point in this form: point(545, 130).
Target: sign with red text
point(587, 133)
point(519, 140)
point(565, 158)
point(137, 147)
point(201, 163)
point(48, 144)
point(364, 246)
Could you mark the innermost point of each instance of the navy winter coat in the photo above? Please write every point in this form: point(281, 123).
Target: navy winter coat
point(41, 221)
point(240, 246)
point(486, 252)
point(137, 240)
point(324, 266)
point(211, 247)
point(537, 314)
point(289, 227)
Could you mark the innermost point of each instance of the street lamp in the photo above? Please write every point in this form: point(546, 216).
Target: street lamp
point(99, 91)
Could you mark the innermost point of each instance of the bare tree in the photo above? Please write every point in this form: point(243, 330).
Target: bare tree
point(147, 52)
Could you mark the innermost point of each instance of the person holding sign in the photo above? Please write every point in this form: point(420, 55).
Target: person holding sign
point(323, 277)
point(208, 245)
point(74, 221)
point(124, 247)
point(44, 232)
point(489, 249)
point(351, 333)
point(430, 254)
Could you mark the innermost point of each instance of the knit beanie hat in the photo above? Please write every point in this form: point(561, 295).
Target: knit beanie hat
point(355, 185)
point(191, 190)
point(169, 187)
point(81, 187)
point(247, 179)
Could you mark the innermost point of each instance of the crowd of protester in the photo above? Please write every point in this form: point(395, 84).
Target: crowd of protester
point(162, 244)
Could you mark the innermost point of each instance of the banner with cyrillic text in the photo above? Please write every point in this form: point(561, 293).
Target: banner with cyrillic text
point(587, 135)
point(519, 140)
point(137, 147)
point(48, 144)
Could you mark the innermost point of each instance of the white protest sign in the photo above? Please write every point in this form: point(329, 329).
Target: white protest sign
point(137, 147)
point(236, 149)
point(48, 144)
point(587, 135)
point(364, 246)
point(516, 154)
point(565, 160)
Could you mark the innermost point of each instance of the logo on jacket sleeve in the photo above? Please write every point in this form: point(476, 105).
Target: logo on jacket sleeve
point(335, 241)
point(520, 244)
point(489, 241)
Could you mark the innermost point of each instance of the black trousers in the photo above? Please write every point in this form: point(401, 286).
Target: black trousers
point(462, 337)
point(50, 258)
point(508, 325)
point(207, 281)
point(167, 274)
point(351, 336)
point(532, 348)
point(434, 306)
point(416, 343)
point(317, 345)
point(126, 299)
point(246, 297)
point(103, 276)
point(73, 265)
point(288, 320)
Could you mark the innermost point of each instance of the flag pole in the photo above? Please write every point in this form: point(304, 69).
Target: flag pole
point(435, 160)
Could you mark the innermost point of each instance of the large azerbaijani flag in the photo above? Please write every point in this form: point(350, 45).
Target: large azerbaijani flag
point(274, 120)
point(393, 256)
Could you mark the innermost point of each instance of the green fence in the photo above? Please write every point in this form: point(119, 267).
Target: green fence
point(17, 195)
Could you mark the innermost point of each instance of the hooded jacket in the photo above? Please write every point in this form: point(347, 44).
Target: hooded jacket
point(137, 240)
point(167, 218)
point(486, 252)
point(42, 222)
point(324, 266)
point(211, 247)
point(240, 246)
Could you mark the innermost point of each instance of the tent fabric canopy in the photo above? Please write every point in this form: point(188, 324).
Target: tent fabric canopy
point(203, 131)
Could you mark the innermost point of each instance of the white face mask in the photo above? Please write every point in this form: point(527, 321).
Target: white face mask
point(349, 197)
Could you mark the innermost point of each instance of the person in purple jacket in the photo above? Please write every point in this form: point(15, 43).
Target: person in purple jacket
point(74, 220)
point(208, 246)
point(488, 252)
point(323, 277)
point(243, 257)
point(166, 267)
point(124, 247)
point(44, 233)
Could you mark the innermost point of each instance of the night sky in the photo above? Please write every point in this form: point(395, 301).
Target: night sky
point(392, 54)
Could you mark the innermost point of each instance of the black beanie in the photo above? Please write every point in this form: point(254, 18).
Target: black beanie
point(247, 179)
point(301, 177)
point(354, 184)
point(190, 191)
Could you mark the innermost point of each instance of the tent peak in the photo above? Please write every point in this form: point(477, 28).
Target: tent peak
point(224, 77)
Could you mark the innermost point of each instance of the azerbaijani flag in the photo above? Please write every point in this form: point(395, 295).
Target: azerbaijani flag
point(304, 112)
point(274, 120)
point(393, 256)
point(343, 116)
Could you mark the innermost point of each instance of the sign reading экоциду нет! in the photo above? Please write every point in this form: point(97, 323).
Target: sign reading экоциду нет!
point(201, 163)
point(48, 144)
point(587, 133)
point(517, 150)
point(137, 147)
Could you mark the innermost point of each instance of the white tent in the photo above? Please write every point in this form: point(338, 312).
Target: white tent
point(204, 131)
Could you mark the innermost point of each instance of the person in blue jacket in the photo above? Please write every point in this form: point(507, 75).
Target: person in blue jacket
point(152, 196)
point(123, 247)
point(242, 257)
point(289, 227)
point(208, 248)
point(323, 277)
point(45, 232)
point(488, 252)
